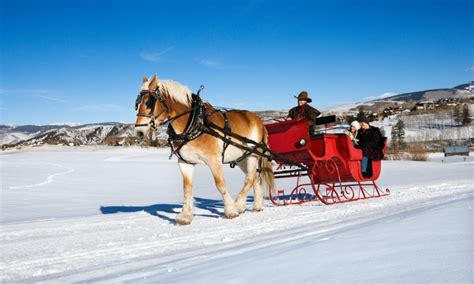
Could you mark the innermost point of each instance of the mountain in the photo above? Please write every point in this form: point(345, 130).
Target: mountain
point(408, 100)
point(460, 92)
point(110, 133)
point(114, 133)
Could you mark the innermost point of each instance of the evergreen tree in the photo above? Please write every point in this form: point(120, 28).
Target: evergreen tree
point(394, 140)
point(349, 118)
point(401, 133)
point(398, 135)
point(457, 115)
point(466, 116)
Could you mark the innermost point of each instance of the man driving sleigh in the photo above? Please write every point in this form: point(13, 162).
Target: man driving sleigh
point(304, 110)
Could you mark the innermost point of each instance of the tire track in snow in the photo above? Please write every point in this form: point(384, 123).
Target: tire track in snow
point(105, 247)
point(48, 180)
point(136, 269)
point(124, 157)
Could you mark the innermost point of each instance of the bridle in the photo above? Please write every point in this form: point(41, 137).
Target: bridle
point(154, 96)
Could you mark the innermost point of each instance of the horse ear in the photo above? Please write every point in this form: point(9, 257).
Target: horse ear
point(145, 79)
point(153, 84)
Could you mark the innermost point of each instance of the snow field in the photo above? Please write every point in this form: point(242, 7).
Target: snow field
point(99, 214)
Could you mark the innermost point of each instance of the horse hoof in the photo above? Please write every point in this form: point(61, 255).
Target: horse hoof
point(241, 209)
point(257, 206)
point(183, 220)
point(231, 215)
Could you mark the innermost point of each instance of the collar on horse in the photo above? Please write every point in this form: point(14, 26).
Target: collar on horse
point(194, 126)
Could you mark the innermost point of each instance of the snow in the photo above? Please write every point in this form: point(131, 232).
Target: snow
point(14, 137)
point(94, 214)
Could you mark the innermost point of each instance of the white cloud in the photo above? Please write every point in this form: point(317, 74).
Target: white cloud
point(101, 107)
point(386, 95)
point(210, 63)
point(154, 56)
point(53, 99)
point(66, 123)
point(470, 69)
point(382, 96)
point(37, 93)
point(25, 91)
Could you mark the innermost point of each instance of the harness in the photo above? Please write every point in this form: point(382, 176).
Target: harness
point(198, 124)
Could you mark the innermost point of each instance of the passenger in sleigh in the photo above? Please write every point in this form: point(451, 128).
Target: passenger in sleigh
point(353, 131)
point(305, 110)
point(371, 143)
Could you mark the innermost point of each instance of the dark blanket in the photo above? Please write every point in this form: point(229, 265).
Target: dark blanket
point(371, 142)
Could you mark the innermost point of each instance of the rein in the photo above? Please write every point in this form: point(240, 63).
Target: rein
point(198, 123)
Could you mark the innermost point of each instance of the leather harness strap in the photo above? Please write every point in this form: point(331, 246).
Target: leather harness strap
point(198, 124)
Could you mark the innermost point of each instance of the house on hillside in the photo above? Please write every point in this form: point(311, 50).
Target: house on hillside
point(392, 110)
point(426, 105)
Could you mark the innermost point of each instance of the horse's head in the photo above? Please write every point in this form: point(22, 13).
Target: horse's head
point(151, 109)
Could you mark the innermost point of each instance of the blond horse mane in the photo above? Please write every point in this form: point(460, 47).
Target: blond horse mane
point(176, 92)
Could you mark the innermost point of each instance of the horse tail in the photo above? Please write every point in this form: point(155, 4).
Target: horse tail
point(266, 168)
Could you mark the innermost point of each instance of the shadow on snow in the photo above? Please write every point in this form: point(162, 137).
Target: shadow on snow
point(215, 208)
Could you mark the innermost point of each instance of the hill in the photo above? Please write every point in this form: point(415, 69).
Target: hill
point(115, 133)
point(460, 92)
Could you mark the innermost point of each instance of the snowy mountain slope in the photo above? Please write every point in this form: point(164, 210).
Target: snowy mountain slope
point(97, 214)
point(461, 91)
point(91, 134)
point(13, 137)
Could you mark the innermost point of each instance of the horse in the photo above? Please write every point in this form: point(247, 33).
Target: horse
point(201, 134)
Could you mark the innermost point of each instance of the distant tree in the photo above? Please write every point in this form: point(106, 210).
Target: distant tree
point(398, 136)
point(349, 118)
point(466, 116)
point(457, 115)
point(360, 114)
point(401, 133)
point(394, 139)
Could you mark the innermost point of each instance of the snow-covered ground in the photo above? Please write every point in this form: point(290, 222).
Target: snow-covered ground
point(107, 214)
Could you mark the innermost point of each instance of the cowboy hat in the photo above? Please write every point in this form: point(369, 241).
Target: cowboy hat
point(303, 96)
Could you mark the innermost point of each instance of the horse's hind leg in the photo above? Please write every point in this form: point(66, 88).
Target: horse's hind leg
point(249, 167)
point(258, 195)
point(186, 215)
point(230, 211)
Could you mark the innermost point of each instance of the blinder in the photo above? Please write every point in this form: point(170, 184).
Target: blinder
point(151, 102)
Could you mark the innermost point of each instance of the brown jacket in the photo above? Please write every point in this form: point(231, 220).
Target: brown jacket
point(306, 111)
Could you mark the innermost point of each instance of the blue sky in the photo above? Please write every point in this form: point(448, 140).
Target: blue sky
point(83, 61)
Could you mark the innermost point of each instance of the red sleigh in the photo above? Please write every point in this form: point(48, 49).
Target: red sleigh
point(325, 167)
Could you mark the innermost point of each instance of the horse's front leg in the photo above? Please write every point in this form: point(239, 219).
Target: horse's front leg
point(230, 210)
point(186, 215)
